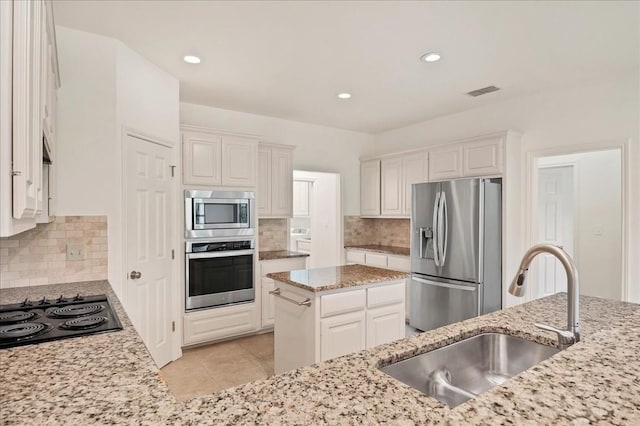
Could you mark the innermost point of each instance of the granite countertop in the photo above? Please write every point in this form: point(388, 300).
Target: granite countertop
point(332, 278)
point(280, 254)
point(399, 251)
point(111, 379)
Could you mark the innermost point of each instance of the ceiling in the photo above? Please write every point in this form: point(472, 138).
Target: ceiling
point(289, 59)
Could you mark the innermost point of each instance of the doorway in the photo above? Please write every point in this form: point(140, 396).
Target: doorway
point(316, 226)
point(580, 207)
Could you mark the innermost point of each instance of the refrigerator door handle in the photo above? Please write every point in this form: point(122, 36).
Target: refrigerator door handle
point(472, 287)
point(443, 221)
point(436, 251)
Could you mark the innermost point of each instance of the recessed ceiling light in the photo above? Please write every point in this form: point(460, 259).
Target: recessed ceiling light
point(430, 57)
point(344, 95)
point(192, 59)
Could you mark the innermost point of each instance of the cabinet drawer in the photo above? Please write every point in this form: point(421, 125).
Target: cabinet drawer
point(282, 265)
point(386, 295)
point(355, 257)
point(399, 263)
point(376, 259)
point(340, 303)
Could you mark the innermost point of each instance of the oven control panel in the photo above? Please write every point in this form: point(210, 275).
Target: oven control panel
point(221, 246)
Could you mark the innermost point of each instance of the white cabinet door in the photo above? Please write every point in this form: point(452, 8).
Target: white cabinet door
point(239, 161)
point(482, 158)
point(385, 325)
point(355, 257)
point(445, 163)
point(370, 188)
point(282, 182)
point(301, 191)
point(415, 170)
point(264, 182)
point(268, 304)
point(342, 334)
point(201, 158)
point(391, 186)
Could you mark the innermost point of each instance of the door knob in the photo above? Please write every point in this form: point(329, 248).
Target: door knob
point(135, 275)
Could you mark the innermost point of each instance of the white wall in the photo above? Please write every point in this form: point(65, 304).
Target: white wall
point(105, 87)
point(599, 205)
point(318, 148)
point(604, 113)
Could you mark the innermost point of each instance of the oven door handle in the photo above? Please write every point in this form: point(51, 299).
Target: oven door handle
point(212, 254)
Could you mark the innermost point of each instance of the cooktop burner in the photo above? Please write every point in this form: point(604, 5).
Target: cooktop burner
point(25, 330)
point(16, 317)
point(44, 320)
point(74, 311)
point(83, 323)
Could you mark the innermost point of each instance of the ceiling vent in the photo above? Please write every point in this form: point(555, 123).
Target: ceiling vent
point(483, 91)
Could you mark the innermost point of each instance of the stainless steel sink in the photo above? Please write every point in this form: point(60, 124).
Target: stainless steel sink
point(458, 372)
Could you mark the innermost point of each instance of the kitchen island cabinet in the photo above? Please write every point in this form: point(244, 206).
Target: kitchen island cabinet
point(325, 313)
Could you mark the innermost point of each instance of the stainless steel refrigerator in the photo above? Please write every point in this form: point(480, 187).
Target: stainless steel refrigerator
point(456, 251)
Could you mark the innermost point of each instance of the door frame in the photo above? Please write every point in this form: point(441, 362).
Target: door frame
point(176, 294)
point(534, 217)
point(531, 197)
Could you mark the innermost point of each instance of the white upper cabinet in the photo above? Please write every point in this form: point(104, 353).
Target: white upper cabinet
point(214, 158)
point(445, 163)
point(370, 188)
point(483, 157)
point(275, 183)
point(239, 161)
point(391, 186)
point(301, 190)
point(201, 153)
point(415, 169)
point(29, 80)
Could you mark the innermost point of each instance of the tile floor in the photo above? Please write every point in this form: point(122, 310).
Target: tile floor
point(208, 369)
point(211, 368)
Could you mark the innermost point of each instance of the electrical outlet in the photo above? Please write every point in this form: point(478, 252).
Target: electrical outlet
point(75, 251)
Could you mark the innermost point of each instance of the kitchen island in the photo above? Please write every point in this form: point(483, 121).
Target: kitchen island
point(110, 378)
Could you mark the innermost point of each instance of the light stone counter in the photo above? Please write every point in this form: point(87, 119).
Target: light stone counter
point(110, 378)
point(335, 277)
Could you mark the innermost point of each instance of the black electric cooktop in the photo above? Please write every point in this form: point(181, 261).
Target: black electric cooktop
point(45, 320)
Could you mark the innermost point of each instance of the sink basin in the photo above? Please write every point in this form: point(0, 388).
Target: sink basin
point(458, 372)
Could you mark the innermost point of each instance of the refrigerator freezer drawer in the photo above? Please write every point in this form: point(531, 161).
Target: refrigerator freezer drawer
point(436, 304)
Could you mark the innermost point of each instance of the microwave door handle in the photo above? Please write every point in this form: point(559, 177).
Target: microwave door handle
point(435, 238)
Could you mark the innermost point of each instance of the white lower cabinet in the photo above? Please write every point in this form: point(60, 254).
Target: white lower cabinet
point(213, 324)
point(267, 284)
point(381, 260)
point(336, 322)
point(342, 334)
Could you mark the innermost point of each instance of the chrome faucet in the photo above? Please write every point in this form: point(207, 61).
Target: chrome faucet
point(571, 335)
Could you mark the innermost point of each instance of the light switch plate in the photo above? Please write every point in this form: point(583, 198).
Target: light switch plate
point(75, 251)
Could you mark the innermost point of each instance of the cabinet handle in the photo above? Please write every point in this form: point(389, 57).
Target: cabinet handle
point(305, 302)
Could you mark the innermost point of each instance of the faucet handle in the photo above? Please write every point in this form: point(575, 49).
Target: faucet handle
point(565, 337)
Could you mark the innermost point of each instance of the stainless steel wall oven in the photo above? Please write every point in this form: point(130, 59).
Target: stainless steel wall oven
point(219, 273)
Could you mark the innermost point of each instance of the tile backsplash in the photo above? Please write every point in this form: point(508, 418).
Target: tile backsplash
point(273, 234)
point(39, 256)
point(385, 232)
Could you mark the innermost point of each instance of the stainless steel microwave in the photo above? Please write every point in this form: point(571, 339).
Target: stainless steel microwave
point(218, 213)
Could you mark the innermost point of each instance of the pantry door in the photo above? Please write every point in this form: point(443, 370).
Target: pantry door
point(148, 226)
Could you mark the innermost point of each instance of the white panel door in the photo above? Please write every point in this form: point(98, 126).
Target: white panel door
point(415, 170)
point(301, 197)
point(342, 335)
point(385, 325)
point(281, 183)
point(370, 188)
point(555, 225)
point(239, 161)
point(391, 186)
point(148, 230)
point(264, 182)
point(201, 157)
